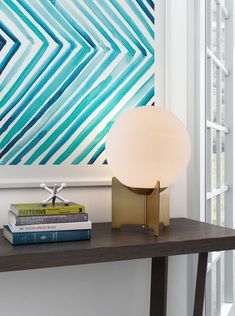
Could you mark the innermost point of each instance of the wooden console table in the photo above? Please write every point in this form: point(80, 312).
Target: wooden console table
point(184, 236)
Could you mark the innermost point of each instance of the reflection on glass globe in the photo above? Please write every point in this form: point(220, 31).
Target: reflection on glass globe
point(147, 144)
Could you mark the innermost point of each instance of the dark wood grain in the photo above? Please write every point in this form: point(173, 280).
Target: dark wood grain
point(158, 296)
point(200, 285)
point(184, 236)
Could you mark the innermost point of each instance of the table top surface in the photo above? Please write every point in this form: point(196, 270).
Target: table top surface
point(184, 236)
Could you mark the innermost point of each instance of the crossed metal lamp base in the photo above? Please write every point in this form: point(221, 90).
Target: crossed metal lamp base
point(146, 207)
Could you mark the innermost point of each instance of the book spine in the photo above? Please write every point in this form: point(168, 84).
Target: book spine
point(51, 227)
point(46, 237)
point(38, 212)
point(49, 219)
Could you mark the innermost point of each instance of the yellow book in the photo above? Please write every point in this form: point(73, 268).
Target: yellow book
point(34, 209)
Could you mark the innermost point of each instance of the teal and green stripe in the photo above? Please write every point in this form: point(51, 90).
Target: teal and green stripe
point(87, 63)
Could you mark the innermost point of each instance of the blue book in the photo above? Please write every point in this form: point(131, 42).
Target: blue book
point(45, 237)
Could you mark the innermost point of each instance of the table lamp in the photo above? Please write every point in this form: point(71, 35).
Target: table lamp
point(147, 149)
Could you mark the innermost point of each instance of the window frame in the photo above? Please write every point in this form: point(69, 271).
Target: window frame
point(197, 120)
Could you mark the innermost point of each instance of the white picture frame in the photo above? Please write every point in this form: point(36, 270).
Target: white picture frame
point(29, 176)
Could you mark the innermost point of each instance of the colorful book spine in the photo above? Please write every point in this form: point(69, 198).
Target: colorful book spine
point(33, 220)
point(50, 227)
point(45, 237)
point(40, 210)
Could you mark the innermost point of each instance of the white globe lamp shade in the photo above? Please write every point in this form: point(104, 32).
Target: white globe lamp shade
point(147, 144)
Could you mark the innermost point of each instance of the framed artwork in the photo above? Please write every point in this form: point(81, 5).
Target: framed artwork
point(69, 69)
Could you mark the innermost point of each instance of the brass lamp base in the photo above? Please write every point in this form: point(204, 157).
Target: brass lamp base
point(139, 206)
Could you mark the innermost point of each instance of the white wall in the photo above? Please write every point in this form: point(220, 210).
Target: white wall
point(120, 288)
point(176, 101)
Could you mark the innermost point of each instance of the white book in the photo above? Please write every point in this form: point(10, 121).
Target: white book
point(50, 227)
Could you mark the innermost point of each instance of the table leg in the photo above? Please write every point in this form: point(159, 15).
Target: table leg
point(200, 284)
point(158, 296)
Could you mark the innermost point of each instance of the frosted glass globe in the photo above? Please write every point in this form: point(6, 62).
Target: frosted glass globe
point(147, 144)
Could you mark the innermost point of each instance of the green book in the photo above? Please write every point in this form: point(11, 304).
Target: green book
point(34, 209)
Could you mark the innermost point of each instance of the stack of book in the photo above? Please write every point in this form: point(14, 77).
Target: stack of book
point(35, 223)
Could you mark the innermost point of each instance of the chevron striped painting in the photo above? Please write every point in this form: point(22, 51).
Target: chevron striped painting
point(68, 69)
